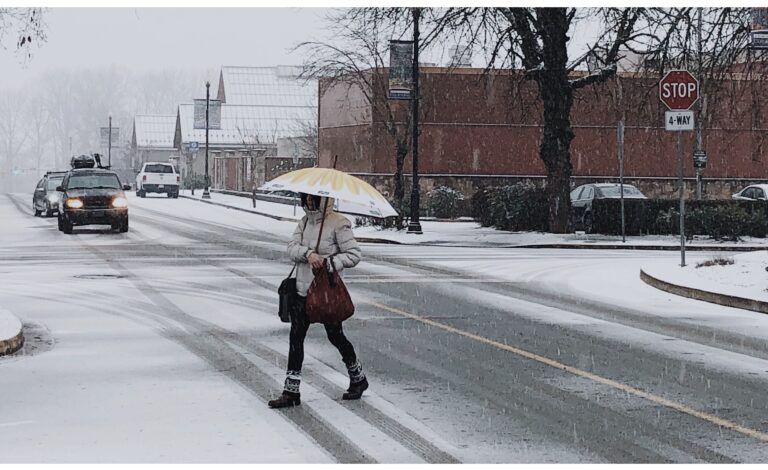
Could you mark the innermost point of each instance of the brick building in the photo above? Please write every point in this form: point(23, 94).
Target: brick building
point(479, 129)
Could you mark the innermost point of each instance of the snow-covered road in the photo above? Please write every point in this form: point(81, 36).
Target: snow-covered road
point(163, 345)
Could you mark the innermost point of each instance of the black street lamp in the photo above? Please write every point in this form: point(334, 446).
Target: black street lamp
point(414, 226)
point(206, 191)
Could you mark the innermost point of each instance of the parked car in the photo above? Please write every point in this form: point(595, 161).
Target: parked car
point(756, 192)
point(157, 177)
point(93, 196)
point(46, 199)
point(582, 197)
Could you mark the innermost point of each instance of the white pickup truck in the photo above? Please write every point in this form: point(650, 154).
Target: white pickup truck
point(156, 177)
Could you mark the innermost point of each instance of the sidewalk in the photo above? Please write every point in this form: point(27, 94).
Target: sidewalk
point(472, 235)
point(738, 281)
point(11, 337)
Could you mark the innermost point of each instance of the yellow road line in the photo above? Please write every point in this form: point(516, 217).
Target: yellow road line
point(761, 436)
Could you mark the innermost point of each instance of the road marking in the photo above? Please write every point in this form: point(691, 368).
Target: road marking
point(761, 436)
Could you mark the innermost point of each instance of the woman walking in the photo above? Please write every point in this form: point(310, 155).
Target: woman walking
point(337, 243)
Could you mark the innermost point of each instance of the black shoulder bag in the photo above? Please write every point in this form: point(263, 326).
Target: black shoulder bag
point(288, 292)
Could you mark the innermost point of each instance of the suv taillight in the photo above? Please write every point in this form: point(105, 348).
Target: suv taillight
point(144, 178)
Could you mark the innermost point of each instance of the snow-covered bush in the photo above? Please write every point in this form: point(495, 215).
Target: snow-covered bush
point(518, 207)
point(444, 202)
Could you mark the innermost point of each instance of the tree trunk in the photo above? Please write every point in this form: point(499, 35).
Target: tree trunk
point(557, 97)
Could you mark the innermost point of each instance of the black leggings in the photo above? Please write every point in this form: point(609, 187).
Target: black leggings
point(299, 327)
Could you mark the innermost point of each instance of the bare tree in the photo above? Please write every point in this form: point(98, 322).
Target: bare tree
point(26, 27)
point(356, 61)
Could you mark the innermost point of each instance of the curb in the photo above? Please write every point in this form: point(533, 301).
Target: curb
point(643, 247)
point(706, 296)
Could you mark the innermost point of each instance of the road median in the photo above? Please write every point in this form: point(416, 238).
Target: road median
point(11, 334)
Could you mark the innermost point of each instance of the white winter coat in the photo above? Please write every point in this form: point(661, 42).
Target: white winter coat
point(337, 240)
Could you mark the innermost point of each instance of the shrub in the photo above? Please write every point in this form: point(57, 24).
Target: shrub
point(716, 261)
point(518, 207)
point(198, 181)
point(398, 222)
point(444, 202)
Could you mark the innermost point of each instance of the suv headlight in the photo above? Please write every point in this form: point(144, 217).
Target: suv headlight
point(120, 202)
point(74, 203)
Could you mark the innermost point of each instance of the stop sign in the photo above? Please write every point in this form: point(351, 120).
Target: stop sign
point(678, 90)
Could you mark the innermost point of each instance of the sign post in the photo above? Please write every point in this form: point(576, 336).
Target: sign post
point(620, 138)
point(678, 90)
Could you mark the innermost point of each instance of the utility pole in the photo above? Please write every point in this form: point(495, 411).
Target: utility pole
point(206, 191)
point(414, 226)
point(109, 146)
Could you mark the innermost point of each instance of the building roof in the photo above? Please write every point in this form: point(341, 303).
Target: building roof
point(154, 131)
point(266, 86)
point(243, 125)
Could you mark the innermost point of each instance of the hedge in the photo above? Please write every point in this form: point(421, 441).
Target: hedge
point(719, 219)
point(523, 207)
point(519, 207)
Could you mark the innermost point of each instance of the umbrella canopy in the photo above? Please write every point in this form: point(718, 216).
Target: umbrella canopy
point(354, 195)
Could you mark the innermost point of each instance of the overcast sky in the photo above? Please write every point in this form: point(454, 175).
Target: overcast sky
point(151, 38)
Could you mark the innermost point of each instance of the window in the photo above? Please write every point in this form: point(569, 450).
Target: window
point(53, 183)
point(588, 193)
point(748, 193)
point(158, 168)
point(575, 193)
point(94, 180)
point(759, 193)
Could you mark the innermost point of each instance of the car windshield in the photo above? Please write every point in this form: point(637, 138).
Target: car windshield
point(94, 181)
point(613, 191)
point(158, 169)
point(53, 183)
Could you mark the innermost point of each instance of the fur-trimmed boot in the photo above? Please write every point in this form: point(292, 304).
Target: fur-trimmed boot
point(358, 383)
point(290, 395)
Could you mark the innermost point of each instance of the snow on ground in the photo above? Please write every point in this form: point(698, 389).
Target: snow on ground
point(10, 326)
point(465, 233)
point(115, 387)
point(746, 277)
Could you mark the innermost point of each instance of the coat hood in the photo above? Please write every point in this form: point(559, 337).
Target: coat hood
point(316, 215)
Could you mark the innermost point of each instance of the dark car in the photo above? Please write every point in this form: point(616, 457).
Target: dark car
point(93, 196)
point(582, 197)
point(46, 199)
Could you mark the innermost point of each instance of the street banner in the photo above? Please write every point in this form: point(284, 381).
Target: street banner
point(759, 27)
point(105, 137)
point(214, 114)
point(400, 70)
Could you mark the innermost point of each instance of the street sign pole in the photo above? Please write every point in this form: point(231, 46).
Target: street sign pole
point(620, 132)
point(682, 196)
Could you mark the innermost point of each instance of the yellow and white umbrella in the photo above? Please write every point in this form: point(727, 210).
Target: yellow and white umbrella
point(352, 194)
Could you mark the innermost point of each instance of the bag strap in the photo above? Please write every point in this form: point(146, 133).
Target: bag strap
point(322, 223)
point(296, 265)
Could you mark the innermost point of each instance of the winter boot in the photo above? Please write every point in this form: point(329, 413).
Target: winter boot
point(358, 383)
point(291, 395)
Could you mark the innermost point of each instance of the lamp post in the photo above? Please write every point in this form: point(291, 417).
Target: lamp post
point(206, 191)
point(109, 146)
point(414, 226)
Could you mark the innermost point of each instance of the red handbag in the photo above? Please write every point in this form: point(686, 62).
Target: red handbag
point(328, 299)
